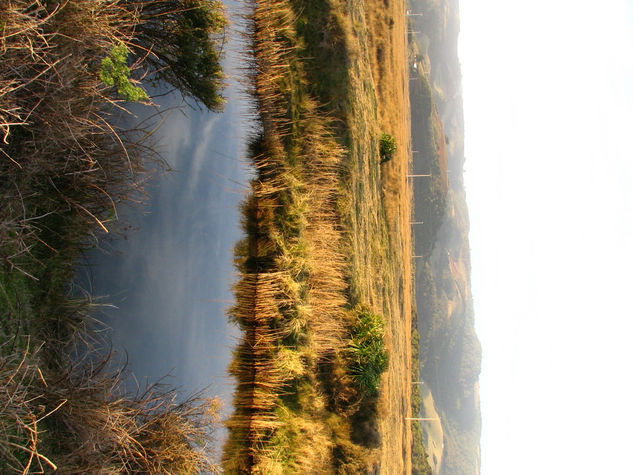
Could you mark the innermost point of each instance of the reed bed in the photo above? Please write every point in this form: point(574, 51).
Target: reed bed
point(291, 298)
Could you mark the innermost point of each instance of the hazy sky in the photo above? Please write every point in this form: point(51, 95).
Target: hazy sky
point(548, 94)
point(171, 278)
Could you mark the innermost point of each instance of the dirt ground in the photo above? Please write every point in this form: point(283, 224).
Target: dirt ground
point(432, 431)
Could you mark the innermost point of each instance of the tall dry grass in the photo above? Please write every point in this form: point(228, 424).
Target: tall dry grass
point(291, 298)
point(111, 432)
point(63, 159)
point(81, 421)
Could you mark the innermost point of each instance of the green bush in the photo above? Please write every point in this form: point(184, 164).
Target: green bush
point(115, 72)
point(366, 352)
point(387, 147)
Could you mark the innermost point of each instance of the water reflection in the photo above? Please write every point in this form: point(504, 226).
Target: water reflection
point(171, 278)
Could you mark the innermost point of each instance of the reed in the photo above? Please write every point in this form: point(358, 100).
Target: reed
point(292, 293)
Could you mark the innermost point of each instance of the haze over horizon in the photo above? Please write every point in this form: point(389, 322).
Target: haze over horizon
point(548, 101)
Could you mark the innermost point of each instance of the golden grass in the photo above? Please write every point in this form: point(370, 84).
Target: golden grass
point(319, 240)
point(380, 209)
point(110, 432)
point(291, 296)
point(104, 431)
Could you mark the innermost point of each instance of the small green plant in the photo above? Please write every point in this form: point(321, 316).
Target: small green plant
point(115, 72)
point(366, 351)
point(387, 147)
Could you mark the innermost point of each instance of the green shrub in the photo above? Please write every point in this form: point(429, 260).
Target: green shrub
point(366, 352)
point(387, 147)
point(115, 72)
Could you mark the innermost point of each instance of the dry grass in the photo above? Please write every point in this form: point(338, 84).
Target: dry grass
point(113, 433)
point(65, 169)
point(321, 217)
point(394, 117)
point(293, 292)
point(81, 422)
point(380, 206)
point(51, 105)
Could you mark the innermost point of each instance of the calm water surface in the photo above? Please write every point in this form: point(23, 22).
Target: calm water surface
point(170, 279)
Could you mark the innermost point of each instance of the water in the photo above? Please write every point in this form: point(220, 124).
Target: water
point(170, 278)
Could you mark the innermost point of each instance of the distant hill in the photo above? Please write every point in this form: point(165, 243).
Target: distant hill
point(450, 353)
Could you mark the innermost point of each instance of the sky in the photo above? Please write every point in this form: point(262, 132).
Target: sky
point(548, 103)
point(170, 279)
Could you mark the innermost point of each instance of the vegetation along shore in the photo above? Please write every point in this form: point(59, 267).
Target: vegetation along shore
point(68, 70)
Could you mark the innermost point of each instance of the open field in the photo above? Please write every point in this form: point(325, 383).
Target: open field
point(388, 55)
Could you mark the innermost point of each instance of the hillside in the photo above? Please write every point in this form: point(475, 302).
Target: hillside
point(450, 354)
